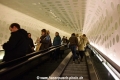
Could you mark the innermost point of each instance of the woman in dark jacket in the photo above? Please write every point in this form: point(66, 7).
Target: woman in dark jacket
point(57, 39)
point(44, 40)
point(56, 42)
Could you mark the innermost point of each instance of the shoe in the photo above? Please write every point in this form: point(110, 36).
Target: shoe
point(78, 61)
point(81, 60)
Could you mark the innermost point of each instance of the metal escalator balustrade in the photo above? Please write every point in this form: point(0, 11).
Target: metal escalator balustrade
point(102, 62)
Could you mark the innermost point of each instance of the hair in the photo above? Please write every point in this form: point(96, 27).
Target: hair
point(73, 34)
point(84, 35)
point(57, 33)
point(16, 25)
point(29, 33)
point(44, 30)
point(47, 31)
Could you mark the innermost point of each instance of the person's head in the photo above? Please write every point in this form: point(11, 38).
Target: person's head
point(63, 36)
point(84, 35)
point(56, 34)
point(73, 34)
point(43, 32)
point(48, 32)
point(14, 27)
point(66, 37)
point(29, 35)
point(77, 35)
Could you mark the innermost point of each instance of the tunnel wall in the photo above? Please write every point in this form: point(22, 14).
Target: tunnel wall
point(8, 16)
point(104, 28)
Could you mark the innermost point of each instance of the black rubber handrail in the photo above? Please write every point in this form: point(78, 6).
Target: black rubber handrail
point(22, 63)
point(113, 64)
point(14, 71)
point(26, 61)
point(3, 64)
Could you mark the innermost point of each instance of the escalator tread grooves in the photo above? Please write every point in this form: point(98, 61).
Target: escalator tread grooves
point(78, 73)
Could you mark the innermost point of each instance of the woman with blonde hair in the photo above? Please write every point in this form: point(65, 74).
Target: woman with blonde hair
point(82, 45)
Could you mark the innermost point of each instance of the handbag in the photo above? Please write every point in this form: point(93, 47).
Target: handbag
point(38, 46)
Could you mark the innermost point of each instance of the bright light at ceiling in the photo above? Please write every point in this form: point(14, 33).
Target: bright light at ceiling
point(34, 3)
point(53, 13)
point(39, 3)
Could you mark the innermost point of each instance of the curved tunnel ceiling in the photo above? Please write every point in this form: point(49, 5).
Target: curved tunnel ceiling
point(99, 19)
point(67, 15)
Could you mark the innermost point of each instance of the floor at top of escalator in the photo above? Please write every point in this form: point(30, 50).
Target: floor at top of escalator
point(43, 70)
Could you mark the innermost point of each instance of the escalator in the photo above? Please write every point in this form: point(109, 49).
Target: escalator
point(41, 65)
point(102, 72)
point(79, 71)
point(90, 69)
point(44, 69)
point(71, 71)
point(17, 67)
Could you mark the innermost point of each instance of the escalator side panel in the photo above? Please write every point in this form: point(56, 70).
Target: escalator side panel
point(23, 68)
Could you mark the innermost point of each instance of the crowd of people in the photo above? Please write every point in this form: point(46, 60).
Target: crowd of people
point(78, 45)
point(20, 43)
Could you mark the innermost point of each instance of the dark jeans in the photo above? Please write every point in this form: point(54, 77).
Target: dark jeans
point(73, 49)
point(81, 54)
point(56, 54)
point(61, 53)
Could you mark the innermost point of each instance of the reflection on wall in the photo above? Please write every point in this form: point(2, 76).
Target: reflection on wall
point(104, 27)
point(8, 16)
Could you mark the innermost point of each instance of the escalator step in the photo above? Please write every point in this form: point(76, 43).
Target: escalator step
point(76, 72)
point(76, 75)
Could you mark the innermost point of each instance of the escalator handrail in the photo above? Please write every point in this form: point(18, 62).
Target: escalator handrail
point(113, 64)
point(26, 61)
point(2, 64)
point(1, 50)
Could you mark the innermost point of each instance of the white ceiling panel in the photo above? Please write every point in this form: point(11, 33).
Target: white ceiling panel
point(67, 15)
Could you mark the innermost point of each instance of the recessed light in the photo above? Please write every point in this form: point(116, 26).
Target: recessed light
point(39, 3)
point(34, 3)
point(40, 8)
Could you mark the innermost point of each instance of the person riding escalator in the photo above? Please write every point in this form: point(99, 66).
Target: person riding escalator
point(31, 44)
point(17, 45)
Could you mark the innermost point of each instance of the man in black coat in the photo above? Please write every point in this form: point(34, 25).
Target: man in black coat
point(31, 44)
point(17, 45)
